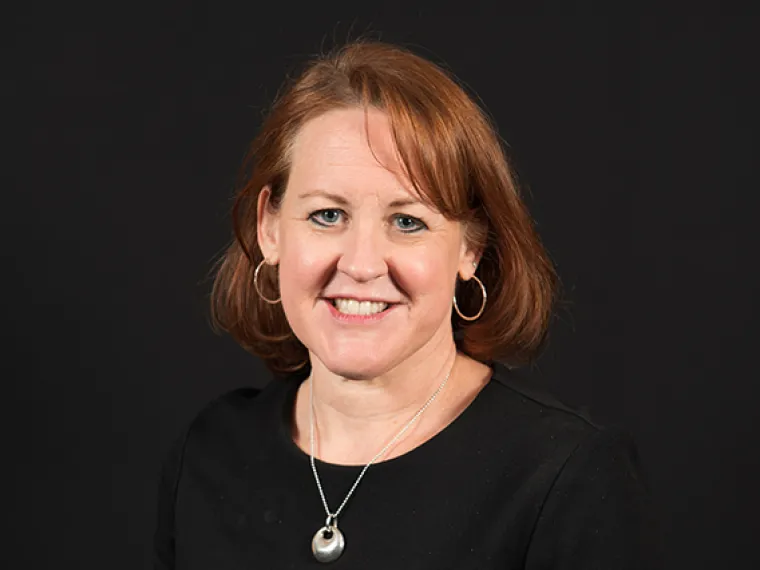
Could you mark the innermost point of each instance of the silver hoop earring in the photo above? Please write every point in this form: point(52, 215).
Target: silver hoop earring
point(482, 307)
point(256, 285)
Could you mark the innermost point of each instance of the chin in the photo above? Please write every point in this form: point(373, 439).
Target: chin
point(354, 370)
point(358, 365)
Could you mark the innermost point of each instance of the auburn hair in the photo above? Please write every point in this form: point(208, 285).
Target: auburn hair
point(455, 160)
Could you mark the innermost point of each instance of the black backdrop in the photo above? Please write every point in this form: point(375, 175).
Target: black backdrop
point(128, 125)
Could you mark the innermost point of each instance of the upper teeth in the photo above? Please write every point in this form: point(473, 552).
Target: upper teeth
point(354, 307)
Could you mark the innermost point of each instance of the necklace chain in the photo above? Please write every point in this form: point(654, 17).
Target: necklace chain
point(334, 516)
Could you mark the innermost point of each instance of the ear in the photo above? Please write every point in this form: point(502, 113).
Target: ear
point(268, 227)
point(468, 261)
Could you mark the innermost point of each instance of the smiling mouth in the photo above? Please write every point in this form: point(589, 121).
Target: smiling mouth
point(354, 307)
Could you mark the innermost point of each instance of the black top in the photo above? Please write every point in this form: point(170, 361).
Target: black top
point(517, 481)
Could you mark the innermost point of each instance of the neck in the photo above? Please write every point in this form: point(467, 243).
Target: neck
point(354, 419)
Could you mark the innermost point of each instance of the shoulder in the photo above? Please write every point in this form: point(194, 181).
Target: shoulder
point(592, 494)
point(237, 417)
point(226, 405)
point(245, 410)
point(549, 430)
point(211, 416)
point(215, 434)
point(527, 403)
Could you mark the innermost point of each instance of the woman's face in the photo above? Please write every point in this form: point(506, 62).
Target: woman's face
point(366, 270)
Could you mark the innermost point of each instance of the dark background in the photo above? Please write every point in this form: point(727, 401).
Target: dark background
point(128, 123)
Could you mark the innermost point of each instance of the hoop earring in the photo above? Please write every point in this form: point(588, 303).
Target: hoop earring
point(482, 307)
point(256, 285)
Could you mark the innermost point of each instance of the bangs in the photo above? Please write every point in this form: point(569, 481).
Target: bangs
point(429, 136)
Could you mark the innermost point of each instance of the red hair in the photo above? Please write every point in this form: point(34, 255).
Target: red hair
point(456, 162)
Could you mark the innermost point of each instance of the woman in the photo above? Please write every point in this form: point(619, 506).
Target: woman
point(387, 272)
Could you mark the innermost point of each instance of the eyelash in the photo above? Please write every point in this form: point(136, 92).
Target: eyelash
point(419, 224)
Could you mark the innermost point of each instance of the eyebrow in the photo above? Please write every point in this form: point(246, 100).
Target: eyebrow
point(403, 203)
point(343, 202)
point(322, 193)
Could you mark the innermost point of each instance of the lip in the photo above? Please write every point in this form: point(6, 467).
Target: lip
point(344, 318)
point(360, 299)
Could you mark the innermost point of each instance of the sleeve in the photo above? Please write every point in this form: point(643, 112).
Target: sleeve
point(168, 481)
point(598, 513)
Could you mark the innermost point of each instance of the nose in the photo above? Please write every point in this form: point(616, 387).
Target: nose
point(363, 252)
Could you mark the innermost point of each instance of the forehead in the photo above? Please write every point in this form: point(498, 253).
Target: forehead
point(349, 150)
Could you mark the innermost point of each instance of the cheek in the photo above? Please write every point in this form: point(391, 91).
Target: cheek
point(301, 280)
point(304, 266)
point(426, 275)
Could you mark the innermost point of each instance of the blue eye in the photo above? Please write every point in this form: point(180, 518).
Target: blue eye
point(328, 217)
point(408, 224)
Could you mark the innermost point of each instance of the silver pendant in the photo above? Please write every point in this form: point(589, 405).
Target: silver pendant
point(328, 543)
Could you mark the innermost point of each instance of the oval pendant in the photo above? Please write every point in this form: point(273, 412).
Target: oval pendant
point(328, 544)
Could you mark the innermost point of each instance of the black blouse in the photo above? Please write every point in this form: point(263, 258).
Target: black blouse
point(517, 481)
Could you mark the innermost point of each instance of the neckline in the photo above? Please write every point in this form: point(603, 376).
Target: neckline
point(285, 418)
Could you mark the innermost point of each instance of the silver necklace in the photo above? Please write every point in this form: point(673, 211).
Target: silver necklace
point(328, 542)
